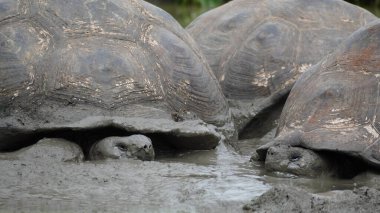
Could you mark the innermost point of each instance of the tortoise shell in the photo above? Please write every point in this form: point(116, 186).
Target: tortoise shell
point(334, 106)
point(258, 48)
point(65, 61)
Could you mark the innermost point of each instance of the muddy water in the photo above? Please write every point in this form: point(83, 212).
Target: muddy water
point(199, 181)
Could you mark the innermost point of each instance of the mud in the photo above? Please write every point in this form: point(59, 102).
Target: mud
point(219, 180)
point(195, 181)
point(285, 199)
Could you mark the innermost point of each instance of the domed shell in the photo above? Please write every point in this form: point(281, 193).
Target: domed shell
point(258, 48)
point(334, 106)
point(65, 61)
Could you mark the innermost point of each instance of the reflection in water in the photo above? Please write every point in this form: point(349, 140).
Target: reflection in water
point(323, 183)
point(209, 181)
point(200, 181)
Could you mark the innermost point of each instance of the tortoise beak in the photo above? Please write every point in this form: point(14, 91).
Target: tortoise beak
point(145, 154)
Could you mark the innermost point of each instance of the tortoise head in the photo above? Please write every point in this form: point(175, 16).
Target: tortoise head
point(284, 154)
point(134, 146)
point(295, 160)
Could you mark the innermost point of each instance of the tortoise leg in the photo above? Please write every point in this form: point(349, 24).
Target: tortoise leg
point(134, 146)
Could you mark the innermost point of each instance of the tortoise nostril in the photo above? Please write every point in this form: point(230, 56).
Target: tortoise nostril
point(270, 152)
point(145, 146)
point(295, 157)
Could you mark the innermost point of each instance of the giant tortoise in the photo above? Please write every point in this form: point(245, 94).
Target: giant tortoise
point(258, 48)
point(332, 108)
point(87, 70)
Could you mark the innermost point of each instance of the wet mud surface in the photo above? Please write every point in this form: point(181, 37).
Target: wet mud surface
point(219, 180)
point(284, 199)
point(197, 181)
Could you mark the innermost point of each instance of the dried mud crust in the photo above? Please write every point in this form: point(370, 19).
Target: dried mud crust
point(286, 199)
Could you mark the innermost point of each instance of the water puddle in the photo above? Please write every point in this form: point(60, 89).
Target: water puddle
point(219, 180)
point(197, 181)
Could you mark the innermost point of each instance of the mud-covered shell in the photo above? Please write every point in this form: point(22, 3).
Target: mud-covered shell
point(258, 48)
point(334, 106)
point(64, 61)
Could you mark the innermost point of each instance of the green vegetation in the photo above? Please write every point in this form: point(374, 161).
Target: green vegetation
point(203, 3)
point(365, 2)
point(371, 5)
point(186, 11)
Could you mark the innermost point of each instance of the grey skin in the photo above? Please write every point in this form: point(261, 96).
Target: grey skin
point(295, 160)
point(134, 146)
point(49, 150)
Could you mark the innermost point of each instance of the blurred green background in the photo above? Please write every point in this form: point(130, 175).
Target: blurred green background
point(187, 10)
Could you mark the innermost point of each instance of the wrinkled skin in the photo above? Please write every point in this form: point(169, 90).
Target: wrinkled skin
point(135, 146)
point(295, 160)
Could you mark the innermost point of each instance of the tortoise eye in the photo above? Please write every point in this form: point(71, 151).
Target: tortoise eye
point(122, 147)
